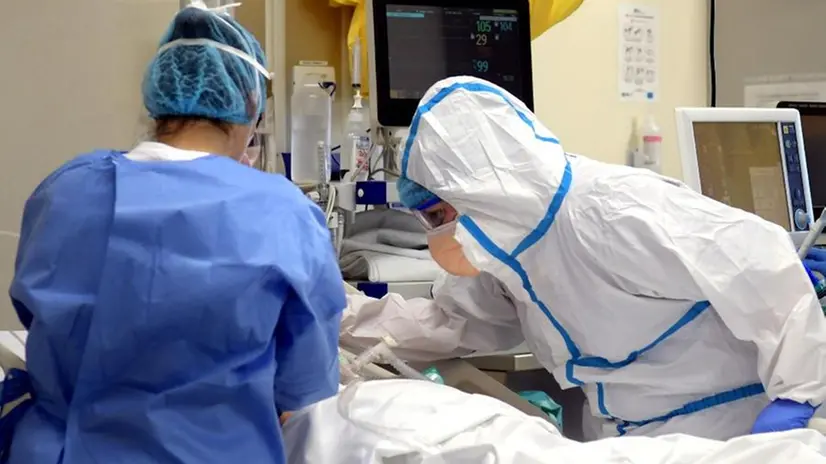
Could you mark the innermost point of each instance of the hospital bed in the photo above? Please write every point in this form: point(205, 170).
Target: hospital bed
point(518, 359)
point(463, 376)
point(458, 373)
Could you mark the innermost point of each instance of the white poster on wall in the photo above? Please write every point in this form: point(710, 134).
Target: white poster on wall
point(639, 49)
point(766, 92)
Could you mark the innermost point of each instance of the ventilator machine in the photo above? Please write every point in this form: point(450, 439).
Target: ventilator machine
point(750, 158)
point(411, 45)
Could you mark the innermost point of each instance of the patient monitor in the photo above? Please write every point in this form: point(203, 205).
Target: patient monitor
point(412, 44)
point(749, 158)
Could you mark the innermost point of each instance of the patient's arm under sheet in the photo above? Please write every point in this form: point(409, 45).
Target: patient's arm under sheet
point(413, 422)
point(467, 315)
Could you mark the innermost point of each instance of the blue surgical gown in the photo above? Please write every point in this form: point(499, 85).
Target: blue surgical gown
point(172, 308)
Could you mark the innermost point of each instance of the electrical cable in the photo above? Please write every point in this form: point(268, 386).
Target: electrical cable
point(712, 53)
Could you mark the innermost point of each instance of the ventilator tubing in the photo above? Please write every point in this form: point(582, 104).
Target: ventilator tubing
point(383, 354)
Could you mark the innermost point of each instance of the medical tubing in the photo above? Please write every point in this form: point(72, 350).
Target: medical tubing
point(356, 370)
point(331, 204)
point(368, 372)
point(381, 353)
point(364, 167)
point(812, 236)
point(400, 366)
point(348, 375)
point(357, 63)
point(323, 152)
point(339, 242)
point(374, 161)
point(369, 356)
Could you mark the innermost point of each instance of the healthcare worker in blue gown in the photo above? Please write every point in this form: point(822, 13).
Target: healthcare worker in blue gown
point(176, 299)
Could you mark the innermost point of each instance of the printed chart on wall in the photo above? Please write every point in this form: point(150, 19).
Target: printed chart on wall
point(639, 49)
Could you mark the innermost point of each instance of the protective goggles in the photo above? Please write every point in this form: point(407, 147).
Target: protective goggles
point(436, 216)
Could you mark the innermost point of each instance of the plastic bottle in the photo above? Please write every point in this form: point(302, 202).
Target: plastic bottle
point(652, 142)
point(312, 114)
point(355, 151)
point(356, 148)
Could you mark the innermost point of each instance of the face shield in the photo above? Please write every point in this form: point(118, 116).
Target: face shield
point(436, 216)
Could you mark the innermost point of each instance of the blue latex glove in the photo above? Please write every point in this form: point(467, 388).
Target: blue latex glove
point(816, 260)
point(781, 415)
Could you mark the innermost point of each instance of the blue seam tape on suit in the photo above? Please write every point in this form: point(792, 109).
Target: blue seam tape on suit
point(510, 260)
point(441, 95)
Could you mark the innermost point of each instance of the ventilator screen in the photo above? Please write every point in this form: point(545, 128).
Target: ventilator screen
point(417, 43)
point(429, 43)
point(740, 164)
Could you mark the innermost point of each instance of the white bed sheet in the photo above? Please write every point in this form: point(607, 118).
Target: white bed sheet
point(414, 422)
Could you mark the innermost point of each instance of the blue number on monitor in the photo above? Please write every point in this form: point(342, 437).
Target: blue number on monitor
point(480, 66)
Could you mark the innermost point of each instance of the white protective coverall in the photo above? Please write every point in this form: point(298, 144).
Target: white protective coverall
point(674, 312)
point(415, 422)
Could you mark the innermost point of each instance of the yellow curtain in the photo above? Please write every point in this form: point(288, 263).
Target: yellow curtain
point(544, 14)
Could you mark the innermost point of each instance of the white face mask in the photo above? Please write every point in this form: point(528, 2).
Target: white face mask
point(448, 252)
point(253, 150)
point(245, 160)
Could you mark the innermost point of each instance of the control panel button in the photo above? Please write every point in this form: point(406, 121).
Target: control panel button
point(801, 219)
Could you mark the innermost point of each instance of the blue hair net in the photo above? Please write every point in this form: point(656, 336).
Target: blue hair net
point(411, 194)
point(202, 80)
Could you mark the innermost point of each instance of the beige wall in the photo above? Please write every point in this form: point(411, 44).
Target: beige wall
point(789, 35)
point(575, 77)
point(316, 32)
point(70, 82)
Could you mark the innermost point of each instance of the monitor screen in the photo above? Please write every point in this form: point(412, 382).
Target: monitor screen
point(429, 43)
point(814, 138)
point(741, 164)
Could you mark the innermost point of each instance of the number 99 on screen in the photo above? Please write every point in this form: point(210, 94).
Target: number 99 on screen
point(481, 66)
